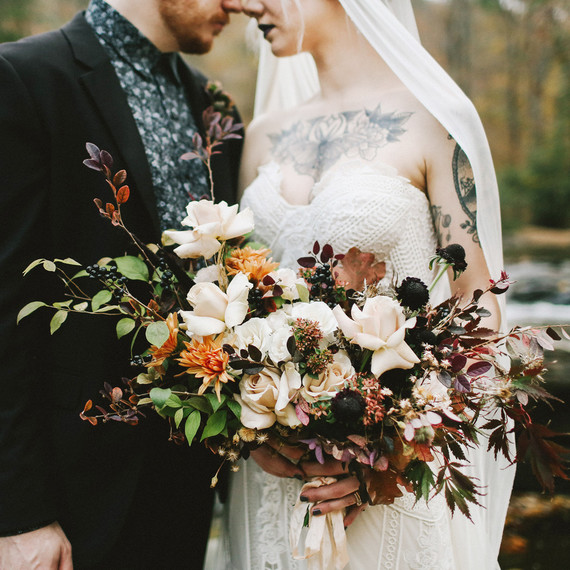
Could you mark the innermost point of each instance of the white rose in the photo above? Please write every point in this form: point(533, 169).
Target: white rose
point(210, 223)
point(215, 310)
point(331, 380)
point(380, 326)
point(277, 349)
point(255, 331)
point(258, 397)
point(208, 274)
point(288, 280)
point(319, 312)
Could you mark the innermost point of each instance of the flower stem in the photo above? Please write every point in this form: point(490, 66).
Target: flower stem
point(443, 269)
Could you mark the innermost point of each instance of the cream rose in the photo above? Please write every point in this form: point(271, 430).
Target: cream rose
point(210, 223)
point(380, 326)
point(331, 380)
point(288, 280)
point(266, 398)
point(215, 310)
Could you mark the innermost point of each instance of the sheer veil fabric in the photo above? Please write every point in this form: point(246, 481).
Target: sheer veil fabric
point(390, 27)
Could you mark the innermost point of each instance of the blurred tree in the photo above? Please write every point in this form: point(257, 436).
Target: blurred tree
point(14, 19)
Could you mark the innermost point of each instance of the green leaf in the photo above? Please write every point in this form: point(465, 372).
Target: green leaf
point(214, 402)
point(68, 261)
point(235, 408)
point(174, 401)
point(81, 306)
point(63, 304)
point(29, 309)
point(49, 265)
point(100, 299)
point(303, 293)
point(132, 267)
point(178, 417)
point(33, 264)
point(57, 320)
point(159, 396)
point(81, 273)
point(157, 333)
point(199, 403)
point(215, 424)
point(125, 326)
point(191, 426)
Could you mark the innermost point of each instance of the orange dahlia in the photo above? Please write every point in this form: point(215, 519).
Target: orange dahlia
point(252, 262)
point(161, 353)
point(207, 360)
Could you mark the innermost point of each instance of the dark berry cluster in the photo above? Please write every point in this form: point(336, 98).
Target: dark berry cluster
point(140, 360)
point(322, 284)
point(106, 273)
point(255, 300)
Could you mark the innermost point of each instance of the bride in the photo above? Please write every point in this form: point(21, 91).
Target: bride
point(362, 140)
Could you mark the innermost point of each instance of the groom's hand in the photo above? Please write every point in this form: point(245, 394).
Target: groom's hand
point(46, 548)
point(279, 459)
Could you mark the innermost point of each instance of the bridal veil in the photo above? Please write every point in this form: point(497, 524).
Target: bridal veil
point(390, 27)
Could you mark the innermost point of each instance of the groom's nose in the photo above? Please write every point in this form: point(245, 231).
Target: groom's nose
point(234, 6)
point(251, 7)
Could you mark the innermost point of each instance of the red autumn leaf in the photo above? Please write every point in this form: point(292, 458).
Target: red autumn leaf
point(123, 194)
point(478, 368)
point(110, 209)
point(358, 267)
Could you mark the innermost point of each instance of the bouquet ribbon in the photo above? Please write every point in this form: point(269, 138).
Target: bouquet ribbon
point(324, 545)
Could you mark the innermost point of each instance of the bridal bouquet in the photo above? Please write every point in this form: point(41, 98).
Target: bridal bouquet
point(238, 351)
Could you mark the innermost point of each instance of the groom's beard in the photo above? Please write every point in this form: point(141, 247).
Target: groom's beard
point(193, 23)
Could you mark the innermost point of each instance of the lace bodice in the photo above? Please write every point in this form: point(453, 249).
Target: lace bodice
point(355, 205)
point(379, 212)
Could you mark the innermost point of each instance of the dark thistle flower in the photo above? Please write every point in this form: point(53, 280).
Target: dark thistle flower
point(348, 405)
point(412, 293)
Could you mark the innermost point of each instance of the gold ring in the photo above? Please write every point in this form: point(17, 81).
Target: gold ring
point(358, 500)
point(281, 444)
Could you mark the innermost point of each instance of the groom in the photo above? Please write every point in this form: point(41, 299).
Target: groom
point(110, 496)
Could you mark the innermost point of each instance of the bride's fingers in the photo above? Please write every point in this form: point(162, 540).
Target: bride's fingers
point(352, 513)
point(330, 495)
point(274, 463)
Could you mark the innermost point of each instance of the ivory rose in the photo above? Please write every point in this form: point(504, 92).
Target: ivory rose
point(380, 326)
point(265, 398)
point(256, 331)
point(215, 310)
point(210, 223)
point(331, 380)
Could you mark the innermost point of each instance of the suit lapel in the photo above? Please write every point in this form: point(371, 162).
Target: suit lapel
point(103, 86)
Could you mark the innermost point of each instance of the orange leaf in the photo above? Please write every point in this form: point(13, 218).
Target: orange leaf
point(383, 487)
point(357, 267)
point(110, 209)
point(119, 177)
point(123, 194)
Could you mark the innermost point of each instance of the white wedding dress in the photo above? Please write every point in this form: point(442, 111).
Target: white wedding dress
point(379, 212)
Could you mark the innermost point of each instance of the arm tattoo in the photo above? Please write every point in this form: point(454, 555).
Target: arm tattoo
point(441, 223)
point(466, 191)
point(315, 145)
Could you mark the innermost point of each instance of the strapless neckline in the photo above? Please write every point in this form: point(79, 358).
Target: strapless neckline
point(271, 172)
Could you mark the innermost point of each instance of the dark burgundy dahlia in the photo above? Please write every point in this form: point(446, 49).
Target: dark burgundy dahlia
point(412, 293)
point(348, 405)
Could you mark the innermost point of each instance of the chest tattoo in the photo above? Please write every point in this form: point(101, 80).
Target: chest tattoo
point(315, 145)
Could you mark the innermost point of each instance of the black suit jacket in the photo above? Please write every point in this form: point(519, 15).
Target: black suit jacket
point(58, 91)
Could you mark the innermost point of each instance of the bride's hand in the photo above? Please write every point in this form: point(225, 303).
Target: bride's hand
point(344, 494)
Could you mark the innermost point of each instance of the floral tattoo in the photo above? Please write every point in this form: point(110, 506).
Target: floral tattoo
point(315, 145)
point(466, 191)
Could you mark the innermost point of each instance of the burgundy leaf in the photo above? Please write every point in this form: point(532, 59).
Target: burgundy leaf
point(479, 368)
point(268, 280)
point(120, 177)
point(93, 151)
point(316, 248)
point(327, 253)
point(462, 384)
point(94, 164)
point(277, 291)
point(458, 361)
point(306, 262)
point(553, 334)
point(106, 159)
point(445, 378)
